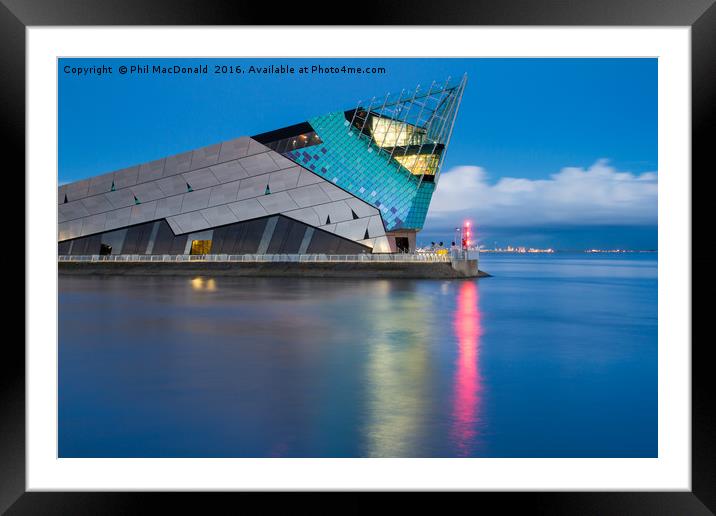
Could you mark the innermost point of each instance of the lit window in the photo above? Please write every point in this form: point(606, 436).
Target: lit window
point(419, 164)
point(200, 246)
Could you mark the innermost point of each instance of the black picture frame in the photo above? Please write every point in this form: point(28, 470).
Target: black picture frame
point(700, 15)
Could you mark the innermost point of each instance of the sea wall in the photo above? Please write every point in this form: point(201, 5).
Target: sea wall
point(434, 270)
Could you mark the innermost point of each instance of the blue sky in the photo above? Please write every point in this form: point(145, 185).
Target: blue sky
point(539, 148)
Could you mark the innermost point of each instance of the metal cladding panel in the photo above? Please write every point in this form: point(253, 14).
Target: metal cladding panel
point(100, 184)
point(309, 196)
point(118, 218)
point(177, 164)
point(224, 193)
point(283, 180)
point(196, 200)
point(361, 208)
point(72, 210)
point(234, 149)
point(352, 229)
point(219, 215)
point(335, 193)
point(77, 190)
point(306, 215)
point(281, 161)
point(96, 204)
point(189, 222)
point(260, 183)
point(120, 198)
point(172, 185)
point(143, 212)
point(177, 231)
point(338, 211)
point(248, 209)
point(169, 206)
point(252, 187)
point(61, 191)
point(146, 192)
point(256, 147)
point(382, 245)
point(61, 217)
point(126, 177)
point(151, 171)
point(375, 227)
point(205, 156)
point(94, 224)
point(308, 178)
point(229, 171)
point(277, 203)
point(202, 178)
point(258, 164)
point(71, 229)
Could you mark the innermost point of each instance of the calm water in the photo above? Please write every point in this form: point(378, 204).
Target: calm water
point(554, 356)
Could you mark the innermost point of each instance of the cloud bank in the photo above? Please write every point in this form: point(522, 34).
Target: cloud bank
point(598, 195)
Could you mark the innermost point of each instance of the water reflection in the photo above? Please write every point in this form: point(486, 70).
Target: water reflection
point(398, 374)
point(467, 384)
point(200, 283)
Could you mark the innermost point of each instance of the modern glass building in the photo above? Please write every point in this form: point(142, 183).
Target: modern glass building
point(356, 181)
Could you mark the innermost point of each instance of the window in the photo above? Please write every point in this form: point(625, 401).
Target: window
point(419, 164)
point(200, 246)
point(295, 142)
point(391, 133)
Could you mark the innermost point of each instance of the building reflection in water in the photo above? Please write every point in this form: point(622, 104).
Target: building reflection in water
point(398, 374)
point(467, 382)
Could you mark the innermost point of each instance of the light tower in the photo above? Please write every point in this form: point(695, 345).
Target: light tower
point(466, 236)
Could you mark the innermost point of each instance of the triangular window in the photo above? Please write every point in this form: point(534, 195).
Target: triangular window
point(189, 188)
point(268, 190)
point(137, 201)
point(354, 215)
point(65, 199)
point(112, 188)
point(366, 236)
point(328, 219)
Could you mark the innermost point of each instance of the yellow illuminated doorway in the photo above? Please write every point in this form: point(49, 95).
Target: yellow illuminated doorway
point(200, 246)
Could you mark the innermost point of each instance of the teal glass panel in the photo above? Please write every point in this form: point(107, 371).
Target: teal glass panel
point(353, 162)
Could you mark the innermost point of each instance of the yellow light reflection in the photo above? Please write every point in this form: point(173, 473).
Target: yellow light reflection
point(202, 284)
point(398, 376)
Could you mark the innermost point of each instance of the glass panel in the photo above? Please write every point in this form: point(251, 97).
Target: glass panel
point(419, 164)
point(389, 133)
point(200, 246)
point(295, 142)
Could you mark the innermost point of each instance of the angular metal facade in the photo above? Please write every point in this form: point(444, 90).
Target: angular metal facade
point(320, 186)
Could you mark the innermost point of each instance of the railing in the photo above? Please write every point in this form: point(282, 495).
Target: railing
point(277, 258)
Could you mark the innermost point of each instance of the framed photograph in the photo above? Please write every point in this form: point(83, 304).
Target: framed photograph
point(443, 252)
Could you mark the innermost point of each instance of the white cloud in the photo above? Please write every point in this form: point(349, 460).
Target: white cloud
point(574, 196)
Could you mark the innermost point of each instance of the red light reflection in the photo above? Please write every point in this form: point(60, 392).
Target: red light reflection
point(467, 382)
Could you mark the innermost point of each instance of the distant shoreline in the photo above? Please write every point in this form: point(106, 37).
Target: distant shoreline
point(572, 251)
